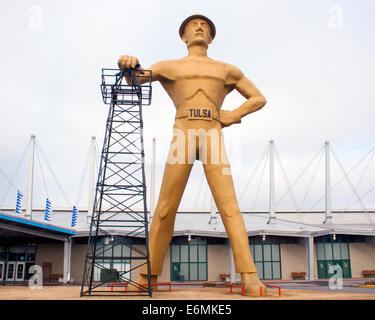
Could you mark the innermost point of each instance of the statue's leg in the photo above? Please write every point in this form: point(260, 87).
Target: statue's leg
point(220, 181)
point(176, 175)
point(162, 225)
point(224, 195)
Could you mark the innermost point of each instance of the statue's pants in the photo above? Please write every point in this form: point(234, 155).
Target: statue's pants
point(197, 139)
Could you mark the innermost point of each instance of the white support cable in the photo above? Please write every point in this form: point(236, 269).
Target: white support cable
point(264, 154)
point(363, 195)
point(204, 200)
point(352, 187)
point(83, 177)
point(359, 182)
point(343, 178)
point(289, 187)
point(53, 173)
point(312, 179)
point(199, 189)
point(14, 175)
point(302, 173)
point(10, 185)
point(260, 181)
point(41, 171)
point(98, 155)
point(8, 180)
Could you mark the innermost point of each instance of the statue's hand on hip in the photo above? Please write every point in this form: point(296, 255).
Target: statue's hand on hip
point(126, 62)
point(228, 118)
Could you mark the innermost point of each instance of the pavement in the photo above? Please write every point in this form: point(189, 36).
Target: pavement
point(333, 285)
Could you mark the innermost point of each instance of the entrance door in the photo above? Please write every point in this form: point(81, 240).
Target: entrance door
point(322, 272)
point(47, 271)
point(2, 270)
point(20, 271)
point(324, 268)
point(11, 268)
point(346, 270)
point(175, 271)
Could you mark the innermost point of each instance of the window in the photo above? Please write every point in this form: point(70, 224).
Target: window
point(10, 270)
point(20, 271)
point(189, 260)
point(113, 259)
point(14, 266)
point(267, 260)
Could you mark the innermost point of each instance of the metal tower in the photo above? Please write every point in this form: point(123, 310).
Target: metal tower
point(119, 216)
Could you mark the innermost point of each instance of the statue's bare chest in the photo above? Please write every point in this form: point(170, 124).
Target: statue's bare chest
point(195, 70)
point(185, 78)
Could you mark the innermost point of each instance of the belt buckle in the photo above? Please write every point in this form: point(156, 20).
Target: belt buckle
point(199, 113)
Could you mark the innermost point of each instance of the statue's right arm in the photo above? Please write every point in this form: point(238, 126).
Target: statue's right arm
point(125, 62)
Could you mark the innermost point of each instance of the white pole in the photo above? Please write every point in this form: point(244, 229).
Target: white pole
point(310, 258)
point(232, 266)
point(328, 184)
point(30, 180)
point(91, 198)
point(213, 216)
point(152, 188)
point(272, 215)
point(67, 260)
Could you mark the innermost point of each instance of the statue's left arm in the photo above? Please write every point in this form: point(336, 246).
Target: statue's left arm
point(254, 98)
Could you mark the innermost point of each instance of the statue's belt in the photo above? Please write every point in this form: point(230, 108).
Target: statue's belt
point(198, 113)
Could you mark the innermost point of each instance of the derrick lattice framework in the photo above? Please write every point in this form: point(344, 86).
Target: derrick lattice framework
point(116, 246)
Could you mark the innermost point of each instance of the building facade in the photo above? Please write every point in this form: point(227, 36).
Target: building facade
point(198, 252)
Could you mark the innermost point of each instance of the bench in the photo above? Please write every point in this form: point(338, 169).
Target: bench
point(368, 273)
point(298, 275)
point(223, 276)
point(56, 277)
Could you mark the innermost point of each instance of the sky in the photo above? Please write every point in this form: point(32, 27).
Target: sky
point(312, 60)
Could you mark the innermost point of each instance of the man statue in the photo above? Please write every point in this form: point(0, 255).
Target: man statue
point(197, 86)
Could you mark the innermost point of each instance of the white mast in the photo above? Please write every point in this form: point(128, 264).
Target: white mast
point(152, 188)
point(91, 195)
point(30, 180)
point(328, 217)
point(272, 215)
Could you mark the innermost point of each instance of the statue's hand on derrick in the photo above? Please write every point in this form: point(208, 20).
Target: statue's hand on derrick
point(127, 62)
point(228, 118)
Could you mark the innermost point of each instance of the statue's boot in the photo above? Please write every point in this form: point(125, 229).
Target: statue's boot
point(143, 280)
point(252, 285)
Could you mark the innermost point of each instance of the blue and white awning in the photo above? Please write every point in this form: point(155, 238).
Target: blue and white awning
point(48, 212)
point(19, 202)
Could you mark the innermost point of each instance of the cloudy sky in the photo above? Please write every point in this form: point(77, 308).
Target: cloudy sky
point(312, 60)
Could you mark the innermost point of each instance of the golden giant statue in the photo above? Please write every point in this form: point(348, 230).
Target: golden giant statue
point(197, 86)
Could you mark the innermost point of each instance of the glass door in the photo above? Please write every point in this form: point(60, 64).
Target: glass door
point(175, 267)
point(20, 271)
point(11, 267)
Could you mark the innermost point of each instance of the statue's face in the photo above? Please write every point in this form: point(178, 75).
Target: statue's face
point(197, 31)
